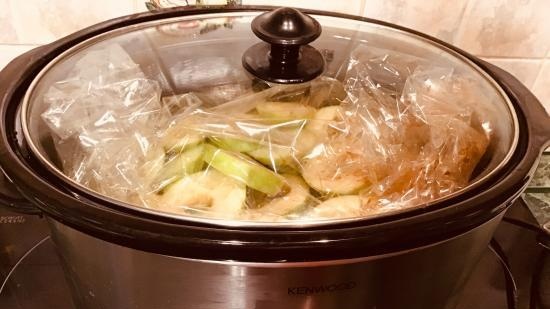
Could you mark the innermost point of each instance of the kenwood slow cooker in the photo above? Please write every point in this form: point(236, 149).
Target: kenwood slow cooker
point(120, 252)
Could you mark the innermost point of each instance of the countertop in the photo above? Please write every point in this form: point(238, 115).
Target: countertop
point(537, 194)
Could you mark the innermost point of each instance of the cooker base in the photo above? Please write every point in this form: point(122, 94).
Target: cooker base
point(38, 280)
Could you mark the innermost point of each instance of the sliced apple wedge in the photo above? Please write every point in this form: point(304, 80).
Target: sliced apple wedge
point(345, 206)
point(187, 162)
point(295, 200)
point(286, 158)
point(234, 143)
point(277, 158)
point(208, 192)
point(320, 124)
point(244, 169)
point(283, 111)
point(178, 139)
point(175, 146)
point(303, 141)
point(328, 174)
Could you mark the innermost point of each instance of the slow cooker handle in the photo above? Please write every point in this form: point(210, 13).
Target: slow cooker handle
point(538, 120)
point(536, 117)
point(11, 198)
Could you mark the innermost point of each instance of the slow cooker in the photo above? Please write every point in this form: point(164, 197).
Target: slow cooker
point(118, 255)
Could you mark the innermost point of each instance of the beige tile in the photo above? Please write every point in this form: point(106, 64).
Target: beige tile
point(438, 18)
point(542, 85)
point(526, 70)
point(8, 52)
point(38, 22)
point(506, 28)
point(343, 6)
point(7, 31)
point(139, 5)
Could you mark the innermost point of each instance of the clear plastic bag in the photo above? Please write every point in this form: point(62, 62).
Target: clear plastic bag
point(394, 133)
point(104, 118)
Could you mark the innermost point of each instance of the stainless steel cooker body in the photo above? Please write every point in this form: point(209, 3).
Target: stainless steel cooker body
point(117, 257)
point(105, 275)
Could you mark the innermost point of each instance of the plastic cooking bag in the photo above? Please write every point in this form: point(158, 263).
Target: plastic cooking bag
point(393, 132)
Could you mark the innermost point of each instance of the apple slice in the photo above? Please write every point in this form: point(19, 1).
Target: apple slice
point(303, 142)
point(330, 174)
point(295, 200)
point(244, 169)
point(345, 206)
point(177, 139)
point(283, 111)
point(234, 143)
point(284, 158)
point(175, 146)
point(187, 162)
point(208, 192)
point(320, 124)
point(277, 158)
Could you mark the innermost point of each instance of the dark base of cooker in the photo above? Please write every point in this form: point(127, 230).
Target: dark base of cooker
point(37, 281)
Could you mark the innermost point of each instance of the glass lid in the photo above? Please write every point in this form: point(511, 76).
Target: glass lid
point(247, 118)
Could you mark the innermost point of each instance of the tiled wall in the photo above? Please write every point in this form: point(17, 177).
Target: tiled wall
point(513, 34)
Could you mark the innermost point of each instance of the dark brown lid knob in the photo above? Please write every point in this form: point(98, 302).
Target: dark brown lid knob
point(284, 56)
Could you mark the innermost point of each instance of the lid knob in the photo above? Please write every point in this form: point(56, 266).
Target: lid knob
point(284, 56)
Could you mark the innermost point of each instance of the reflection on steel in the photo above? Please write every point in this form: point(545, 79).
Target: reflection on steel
point(113, 273)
